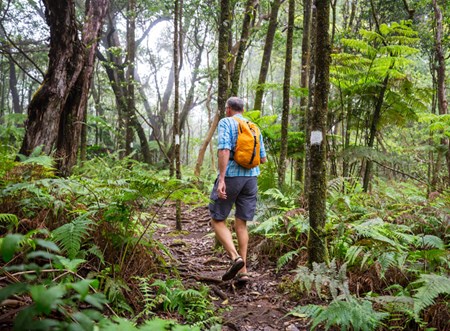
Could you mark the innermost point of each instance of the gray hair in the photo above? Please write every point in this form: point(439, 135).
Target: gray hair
point(235, 103)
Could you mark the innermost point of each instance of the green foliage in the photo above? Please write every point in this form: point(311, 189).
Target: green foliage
point(55, 304)
point(324, 279)
point(71, 235)
point(431, 287)
point(351, 314)
point(10, 221)
point(157, 324)
point(170, 295)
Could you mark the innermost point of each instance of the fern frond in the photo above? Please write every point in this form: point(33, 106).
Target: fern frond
point(9, 219)
point(286, 258)
point(71, 235)
point(430, 241)
point(269, 225)
point(432, 286)
point(352, 314)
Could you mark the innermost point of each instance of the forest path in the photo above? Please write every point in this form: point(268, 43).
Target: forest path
point(257, 305)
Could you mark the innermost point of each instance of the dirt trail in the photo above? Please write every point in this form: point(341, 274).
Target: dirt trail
point(255, 306)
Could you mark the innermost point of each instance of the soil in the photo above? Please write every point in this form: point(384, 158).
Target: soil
point(257, 305)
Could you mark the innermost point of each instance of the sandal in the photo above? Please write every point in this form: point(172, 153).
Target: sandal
point(243, 277)
point(237, 265)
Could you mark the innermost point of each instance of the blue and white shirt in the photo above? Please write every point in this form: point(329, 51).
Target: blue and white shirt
point(227, 132)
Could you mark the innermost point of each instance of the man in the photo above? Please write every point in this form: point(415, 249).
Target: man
point(234, 185)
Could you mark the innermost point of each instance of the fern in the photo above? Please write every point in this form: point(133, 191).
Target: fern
point(285, 259)
point(71, 235)
point(9, 219)
point(432, 286)
point(323, 276)
point(351, 314)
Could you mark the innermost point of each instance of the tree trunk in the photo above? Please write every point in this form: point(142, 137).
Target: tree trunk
point(304, 77)
point(273, 21)
point(441, 89)
point(308, 110)
point(56, 111)
point(317, 250)
point(286, 96)
point(223, 74)
point(250, 10)
point(176, 120)
point(212, 128)
point(76, 105)
point(13, 88)
point(129, 83)
point(373, 132)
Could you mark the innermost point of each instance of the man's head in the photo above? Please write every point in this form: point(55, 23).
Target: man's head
point(235, 105)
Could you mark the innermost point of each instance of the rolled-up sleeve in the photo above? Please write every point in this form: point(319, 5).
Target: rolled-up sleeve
point(224, 135)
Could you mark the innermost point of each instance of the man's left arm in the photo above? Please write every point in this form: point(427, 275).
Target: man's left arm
point(262, 150)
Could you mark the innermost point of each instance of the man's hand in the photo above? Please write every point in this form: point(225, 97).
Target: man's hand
point(221, 189)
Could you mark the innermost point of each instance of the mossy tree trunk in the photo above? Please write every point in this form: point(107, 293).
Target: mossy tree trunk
point(286, 96)
point(57, 110)
point(440, 69)
point(317, 250)
point(268, 45)
point(304, 79)
point(224, 33)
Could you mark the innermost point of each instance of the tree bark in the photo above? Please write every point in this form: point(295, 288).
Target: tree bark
point(176, 120)
point(373, 132)
point(223, 74)
point(309, 108)
point(56, 111)
point(441, 89)
point(317, 250)
point(250, 9)
point(304, 77)
point(286, 96)
point(13, 88)
point(268, 45)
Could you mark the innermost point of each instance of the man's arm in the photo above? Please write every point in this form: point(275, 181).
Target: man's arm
point(224, 157)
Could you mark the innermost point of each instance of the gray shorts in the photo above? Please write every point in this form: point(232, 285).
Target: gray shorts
point(241, 191)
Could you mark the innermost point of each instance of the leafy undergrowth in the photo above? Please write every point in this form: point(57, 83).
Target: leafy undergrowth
point(97, 250)
point(388, 251)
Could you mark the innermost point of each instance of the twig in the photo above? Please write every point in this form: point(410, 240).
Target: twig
point(400, 172)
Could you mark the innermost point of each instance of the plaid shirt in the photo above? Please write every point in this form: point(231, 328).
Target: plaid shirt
point(227, 133)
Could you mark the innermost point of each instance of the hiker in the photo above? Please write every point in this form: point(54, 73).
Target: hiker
point(236, 185)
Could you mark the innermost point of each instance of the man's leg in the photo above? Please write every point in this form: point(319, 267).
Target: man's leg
point(223, 234)
point(242, 237)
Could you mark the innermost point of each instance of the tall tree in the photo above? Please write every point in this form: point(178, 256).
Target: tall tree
point(223, 74)
point(440, 69)
point(176, 120)
point(250, 9)
point(286, 95)
point(304, 76)
point(268, 45)
point(56, 111)
point(317, 251)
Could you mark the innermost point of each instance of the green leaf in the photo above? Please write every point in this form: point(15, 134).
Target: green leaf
point(97, 300)
point(82, 287)
point(9, 245)
point(13, 289)
point(69, 264)
point(47, 299)
point(47, 244)
point(41, 254)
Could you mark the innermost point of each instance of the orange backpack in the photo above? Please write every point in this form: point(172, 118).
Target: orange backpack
point(246, 151)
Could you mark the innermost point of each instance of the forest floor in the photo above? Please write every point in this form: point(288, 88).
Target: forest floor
point(257, 305)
